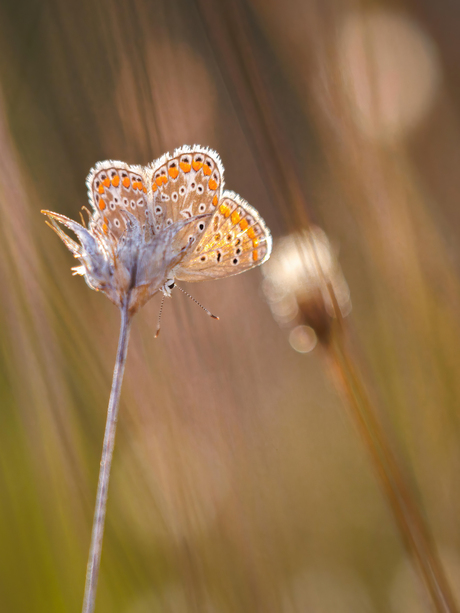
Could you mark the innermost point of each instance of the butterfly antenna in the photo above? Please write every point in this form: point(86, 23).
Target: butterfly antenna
point(159, 316)
point(194, 300)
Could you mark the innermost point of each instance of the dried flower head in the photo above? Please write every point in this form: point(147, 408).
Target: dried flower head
point(299, 278)
point(136, 264)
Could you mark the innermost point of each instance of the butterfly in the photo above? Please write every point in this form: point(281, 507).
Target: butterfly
point(225, 236)
point(170, 221)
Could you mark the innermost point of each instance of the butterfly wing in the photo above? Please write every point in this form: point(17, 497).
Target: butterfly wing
point(185, 185)
point(235, 240)
point(113, 187)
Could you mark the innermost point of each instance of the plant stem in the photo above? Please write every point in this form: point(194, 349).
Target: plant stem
point(94, 558)
point(412, 526)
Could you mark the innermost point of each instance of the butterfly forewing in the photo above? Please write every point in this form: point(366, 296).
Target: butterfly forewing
point(235, 240)
point(186, 185)
point(114, 187)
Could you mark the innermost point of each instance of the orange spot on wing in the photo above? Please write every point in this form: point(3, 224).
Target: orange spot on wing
point(243, 224)
point(154, 187)
point(255, 242)
point(206, 170)
point(116, 181)
point(159, 181)
point(255, 255)
point(102, 204)
point(215, 200)
point(235, 217)
point(185, 167)
point(251, 233)
point(197, 165)
point(106, 182)
point(105, 228)
point(126, 182)
point(212, 184)
point(144, 189)
point(224, 209)
point(100, 189)
point(173, 172)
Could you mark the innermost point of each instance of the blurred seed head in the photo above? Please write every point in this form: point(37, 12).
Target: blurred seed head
point(299, 279)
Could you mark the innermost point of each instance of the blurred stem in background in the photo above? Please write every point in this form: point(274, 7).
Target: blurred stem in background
point(94, 559)
point(409, 520)
point(228, 33)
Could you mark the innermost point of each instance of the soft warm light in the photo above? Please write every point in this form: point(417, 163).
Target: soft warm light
point(303, 339)
point(391, 71)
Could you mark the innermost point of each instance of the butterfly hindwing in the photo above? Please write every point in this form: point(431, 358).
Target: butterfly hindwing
point(235, 240)
point(115, 186)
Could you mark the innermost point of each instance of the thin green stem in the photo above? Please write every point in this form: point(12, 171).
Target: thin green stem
point(94, 558)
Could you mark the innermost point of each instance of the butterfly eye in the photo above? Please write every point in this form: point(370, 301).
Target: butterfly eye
point(170, 284)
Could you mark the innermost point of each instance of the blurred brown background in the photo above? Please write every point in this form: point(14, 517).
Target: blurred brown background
point(238, 484)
